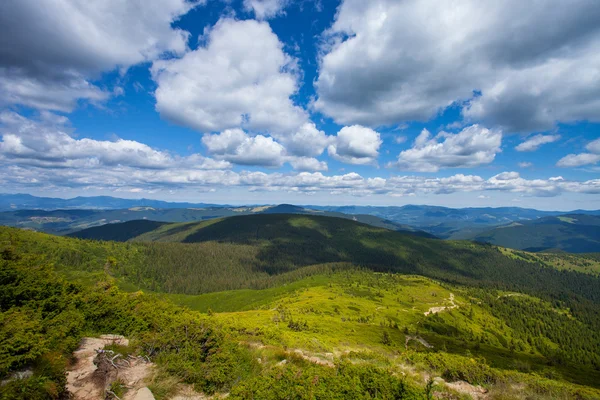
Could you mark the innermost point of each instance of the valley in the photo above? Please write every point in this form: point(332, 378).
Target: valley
point(292, 297)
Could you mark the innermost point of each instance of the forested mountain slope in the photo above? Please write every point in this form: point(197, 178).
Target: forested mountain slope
point(121, 232)
point(73, 221)
point(574, 233)
point(340, 329)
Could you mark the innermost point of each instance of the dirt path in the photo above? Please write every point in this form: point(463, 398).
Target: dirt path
point(435, 310)
point(87, 381)
point(418, 339)
point(476, 392)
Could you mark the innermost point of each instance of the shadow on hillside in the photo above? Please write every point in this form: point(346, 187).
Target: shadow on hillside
point(287, 242)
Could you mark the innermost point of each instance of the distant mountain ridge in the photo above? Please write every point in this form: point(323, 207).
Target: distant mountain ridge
point(451, 223)
point(574, 233)
point(11, 202)
point(62, 216)
point(68, 221)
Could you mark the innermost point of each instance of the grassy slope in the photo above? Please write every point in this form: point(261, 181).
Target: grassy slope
point(350, 311)
point(344, 311)
point(574, 233)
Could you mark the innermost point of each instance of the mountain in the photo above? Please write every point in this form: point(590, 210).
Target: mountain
point(267, 246)
point(574, 233)
point(443, 222)
point(72, 220)
point(10, 202)
point(118, 232)
point(300, 306)
point(452, 223)
point(348, 306)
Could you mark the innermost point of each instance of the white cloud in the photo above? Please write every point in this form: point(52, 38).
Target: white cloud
point(400, 139)
point(49, 64)
point(525, 164)
point(534, 142)
point(47, 143)
point(307, 141)
point(241, 78)
point(307, 164)
point(265, 9)
point(379, 65)
point(578, 160)
point(356, 145)
point(471, 147)
point(594, 146)
point(235, 146)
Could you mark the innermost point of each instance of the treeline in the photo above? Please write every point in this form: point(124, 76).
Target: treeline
point(43, 317)
point(532, 321)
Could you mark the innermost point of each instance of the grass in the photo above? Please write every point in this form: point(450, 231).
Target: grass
point(349, 312)
point(354, 315)
point(584, 263)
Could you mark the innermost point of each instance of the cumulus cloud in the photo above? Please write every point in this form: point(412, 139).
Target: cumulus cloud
point(307, 141)
point(307, 164)
point(238, 147)
point(387, 61)
point(534, 142)
point(578, 160)
point(356, 145)
point(471, 147)
point(525, 164)
point(235, 146)
point(131, 166)
point(47, 143)
point(241, 78)
point(265, 9)
point(50, 64)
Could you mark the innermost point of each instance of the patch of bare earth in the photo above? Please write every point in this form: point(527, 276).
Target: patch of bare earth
point(95, 369)
point(435, 310)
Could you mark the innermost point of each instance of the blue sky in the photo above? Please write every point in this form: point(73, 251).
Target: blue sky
point(308, 102)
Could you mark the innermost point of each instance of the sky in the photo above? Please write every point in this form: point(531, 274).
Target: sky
point(385, 102)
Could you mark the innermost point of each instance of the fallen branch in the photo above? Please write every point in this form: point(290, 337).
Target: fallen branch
point(112, 394)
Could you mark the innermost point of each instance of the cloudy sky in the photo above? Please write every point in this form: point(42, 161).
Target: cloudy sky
point(383, 102)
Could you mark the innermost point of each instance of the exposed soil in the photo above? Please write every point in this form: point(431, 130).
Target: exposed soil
point(435, 310)
point(94, 370)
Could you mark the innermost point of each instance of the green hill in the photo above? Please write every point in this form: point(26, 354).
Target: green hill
point(574, 233)
point(71, 222)
point(520, 325)
point(264, 250)
point(118, 232)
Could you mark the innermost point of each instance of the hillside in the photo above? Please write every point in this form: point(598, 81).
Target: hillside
point(327, 328)
point(443, 222)
point(74, 220)
point(453, 223)
point(258, 251)
point(118, 232)
point(574, 233)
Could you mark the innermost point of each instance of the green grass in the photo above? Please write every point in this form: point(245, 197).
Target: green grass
point(348, 312)
point(356, 321)
point(245, 299)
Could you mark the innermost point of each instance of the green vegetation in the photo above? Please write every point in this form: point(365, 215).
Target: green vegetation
point(104, 224)
point(297, 306)
point(124, 232)
point(575, 233)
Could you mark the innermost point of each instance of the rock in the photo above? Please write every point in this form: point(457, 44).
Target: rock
point(144, 394)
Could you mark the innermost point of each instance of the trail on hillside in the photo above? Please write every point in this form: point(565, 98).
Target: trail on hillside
point(95, 369)
point(435, 310)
